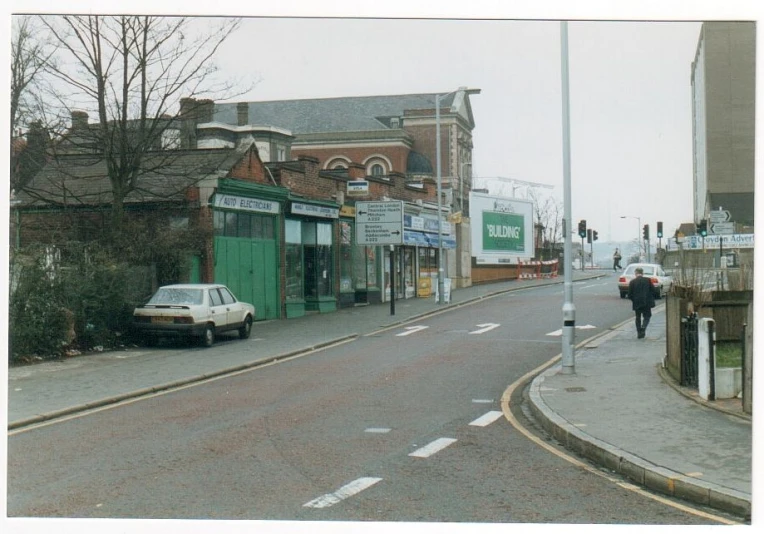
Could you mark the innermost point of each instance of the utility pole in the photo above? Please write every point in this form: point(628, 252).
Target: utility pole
point(568, 308)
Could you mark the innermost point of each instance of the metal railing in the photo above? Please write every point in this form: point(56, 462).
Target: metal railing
point(689, 340)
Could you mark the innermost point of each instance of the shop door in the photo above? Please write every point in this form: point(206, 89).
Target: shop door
point(249, 268)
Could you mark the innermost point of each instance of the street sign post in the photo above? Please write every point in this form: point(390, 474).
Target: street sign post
point(722, 228)
point(379, 223)
point(719, 216)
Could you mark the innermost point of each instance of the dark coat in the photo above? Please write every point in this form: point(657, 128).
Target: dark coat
point(641, 293)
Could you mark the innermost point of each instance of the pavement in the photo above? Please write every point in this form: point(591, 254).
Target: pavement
point(619, 408)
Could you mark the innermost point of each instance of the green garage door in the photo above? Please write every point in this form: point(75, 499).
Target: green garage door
point(249, 267)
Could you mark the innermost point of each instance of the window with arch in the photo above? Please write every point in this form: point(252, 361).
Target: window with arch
point(337, 163)
point(377, 170)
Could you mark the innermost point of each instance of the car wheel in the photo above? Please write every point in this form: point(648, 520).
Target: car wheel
point(208, 337)
point(246, 329)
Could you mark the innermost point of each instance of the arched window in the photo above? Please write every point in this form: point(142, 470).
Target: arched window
point(377, 170)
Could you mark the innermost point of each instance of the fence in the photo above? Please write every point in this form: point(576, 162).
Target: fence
point(689, 351)
point(537, 269)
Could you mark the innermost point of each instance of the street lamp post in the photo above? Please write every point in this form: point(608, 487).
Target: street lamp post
point(639, 227)
point(441, 298)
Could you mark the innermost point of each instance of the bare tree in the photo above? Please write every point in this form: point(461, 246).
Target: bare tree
point(29, 56)
point(548, 211)
point(131, 73)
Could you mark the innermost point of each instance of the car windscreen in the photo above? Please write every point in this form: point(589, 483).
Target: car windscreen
point(177, 296)
point(646, 270)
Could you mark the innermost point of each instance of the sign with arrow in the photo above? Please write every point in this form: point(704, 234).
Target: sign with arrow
point(379, 223)
point(722, 228)
point(719, 216)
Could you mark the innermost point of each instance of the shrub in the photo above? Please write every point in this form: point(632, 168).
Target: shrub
point(38, 323)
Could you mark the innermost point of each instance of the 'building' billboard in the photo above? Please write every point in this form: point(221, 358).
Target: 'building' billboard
point(502, 229)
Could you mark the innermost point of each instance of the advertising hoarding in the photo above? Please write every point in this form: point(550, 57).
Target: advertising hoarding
point(502, 229)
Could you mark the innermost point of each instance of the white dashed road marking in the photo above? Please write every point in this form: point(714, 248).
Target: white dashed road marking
point(486, 419)
point(482, 401)
point(348, 490)
point(431, 448)
point(377, 430)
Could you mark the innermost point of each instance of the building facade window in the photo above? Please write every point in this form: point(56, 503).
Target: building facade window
point(293, 262)
point(377, 170)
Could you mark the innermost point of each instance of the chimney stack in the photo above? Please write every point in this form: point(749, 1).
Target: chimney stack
point(79, 120)
point(242, 113)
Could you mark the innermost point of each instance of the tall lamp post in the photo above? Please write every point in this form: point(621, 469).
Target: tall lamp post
point(639, 227)
point(441, 296)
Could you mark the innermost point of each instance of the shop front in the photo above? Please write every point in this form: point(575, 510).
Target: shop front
point(359, 265)
point(246, 222)
point(417, 259)
point(309, 268)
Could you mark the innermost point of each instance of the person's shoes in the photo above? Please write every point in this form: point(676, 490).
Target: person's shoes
point(640, 334)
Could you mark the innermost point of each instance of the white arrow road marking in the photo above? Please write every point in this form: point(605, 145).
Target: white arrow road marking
point(432, 448)
point(411, 330)
point(485, 328)
point(348, 490)
point(584, 327)
point(486, 419)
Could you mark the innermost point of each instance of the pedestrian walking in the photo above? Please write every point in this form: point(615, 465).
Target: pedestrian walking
point(642, 300)
point(616, 260)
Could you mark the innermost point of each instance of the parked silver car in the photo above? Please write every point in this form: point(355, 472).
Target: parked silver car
point(660, 280)
point(193, 310)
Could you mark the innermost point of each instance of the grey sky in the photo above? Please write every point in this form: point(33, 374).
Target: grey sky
point(630, 94)
point(631, 129)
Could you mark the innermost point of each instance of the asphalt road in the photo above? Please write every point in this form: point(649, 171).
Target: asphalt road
point(402, 424)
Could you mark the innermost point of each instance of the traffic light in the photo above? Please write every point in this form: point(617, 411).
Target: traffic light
point(582, 228)
point(589, 235)
point(594, 235)
point(646, 232)
point(659, 231)
point(703, 228)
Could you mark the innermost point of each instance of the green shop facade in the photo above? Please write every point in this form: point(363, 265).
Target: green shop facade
point(290, 255)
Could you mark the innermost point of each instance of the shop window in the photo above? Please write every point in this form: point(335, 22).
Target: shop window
point(230, 224)
point(243, 225)
point(346, 257)
point(319, 272)
point(293, 261)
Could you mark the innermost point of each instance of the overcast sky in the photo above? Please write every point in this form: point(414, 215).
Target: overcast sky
point(630, 93)
point(631, 129)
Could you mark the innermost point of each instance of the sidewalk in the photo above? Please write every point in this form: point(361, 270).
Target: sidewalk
point(51, 389)
point(620, 410)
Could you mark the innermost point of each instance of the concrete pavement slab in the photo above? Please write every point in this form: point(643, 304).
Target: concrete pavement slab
point(636, 424)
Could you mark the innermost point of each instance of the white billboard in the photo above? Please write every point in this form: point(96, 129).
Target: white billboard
point(502, 229)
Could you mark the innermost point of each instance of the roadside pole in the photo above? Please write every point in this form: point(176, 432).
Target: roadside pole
point(568, 308)
point(392, 279)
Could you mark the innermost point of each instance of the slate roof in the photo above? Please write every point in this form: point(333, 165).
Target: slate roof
point(81, 179)
point(345, 114)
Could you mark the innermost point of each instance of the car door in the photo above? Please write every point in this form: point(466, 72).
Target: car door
point(218, 312)
point(232, 308)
